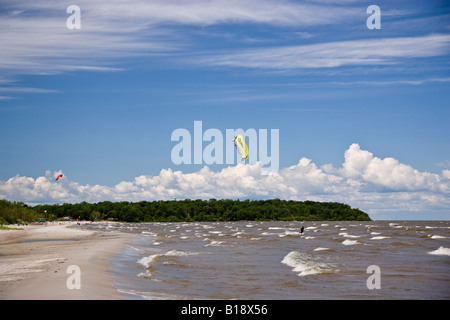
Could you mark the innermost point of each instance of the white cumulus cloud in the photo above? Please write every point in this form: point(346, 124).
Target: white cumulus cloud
point(364, 181)
point(388, 172)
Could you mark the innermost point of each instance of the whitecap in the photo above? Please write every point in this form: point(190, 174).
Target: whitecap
point(436, 237)
point(379, 238)
point(392, 224)
point(303, 264)
point(441, 251)
point(269, 234)
point(345, 234)
point(215, 244)
point(321, 249)
point(144, 274)
point(350, 242)
point(177, 253)
point(147, 261)
point(290, 233)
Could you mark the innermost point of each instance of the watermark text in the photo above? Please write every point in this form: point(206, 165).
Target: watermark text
point(221, 150)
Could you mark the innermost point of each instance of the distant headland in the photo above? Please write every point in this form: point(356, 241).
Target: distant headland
point(183, 211)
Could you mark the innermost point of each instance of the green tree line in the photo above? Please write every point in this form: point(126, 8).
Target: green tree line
point(204, 210)
point(16, 212)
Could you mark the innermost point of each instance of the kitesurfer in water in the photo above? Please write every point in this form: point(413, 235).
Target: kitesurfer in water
point(301, 230)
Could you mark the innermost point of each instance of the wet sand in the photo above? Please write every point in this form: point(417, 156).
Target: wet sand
point(34, 263)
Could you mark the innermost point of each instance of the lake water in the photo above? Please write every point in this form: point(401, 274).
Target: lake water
point(270, 260)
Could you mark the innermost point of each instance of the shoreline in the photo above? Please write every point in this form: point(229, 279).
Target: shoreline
point(34, 262)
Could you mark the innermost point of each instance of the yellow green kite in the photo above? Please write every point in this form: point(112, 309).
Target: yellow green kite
point(240, 144)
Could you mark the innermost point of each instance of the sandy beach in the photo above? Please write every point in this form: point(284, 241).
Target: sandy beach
point(44, 261)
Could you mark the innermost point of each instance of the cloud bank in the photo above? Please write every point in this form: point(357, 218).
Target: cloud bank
point(364, 181)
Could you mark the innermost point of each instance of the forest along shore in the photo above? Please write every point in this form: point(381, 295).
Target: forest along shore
point(207, 210)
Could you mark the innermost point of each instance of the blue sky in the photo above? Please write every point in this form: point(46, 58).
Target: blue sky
point(362, 114)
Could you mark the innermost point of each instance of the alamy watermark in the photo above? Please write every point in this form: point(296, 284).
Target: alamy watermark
point(374, 21)
point(374, 281)
point(73, 22)
point(190, 148)
point(74, 280)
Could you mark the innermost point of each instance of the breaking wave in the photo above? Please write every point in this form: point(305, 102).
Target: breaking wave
point(148, 261)
point(441, 251)
point(304, 264)
point(350, 242)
